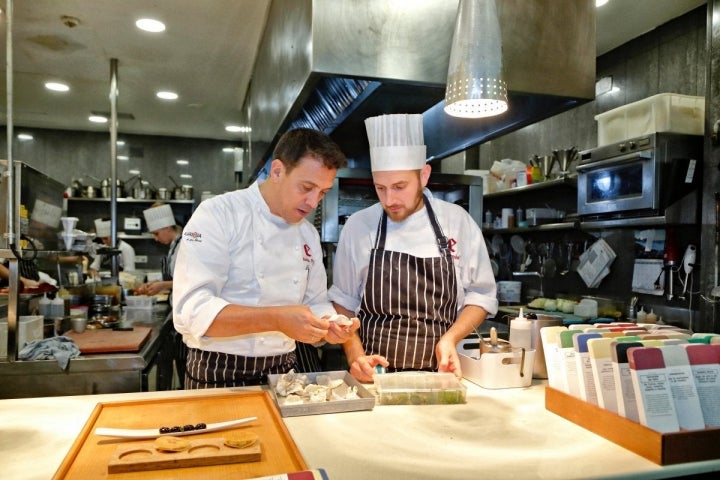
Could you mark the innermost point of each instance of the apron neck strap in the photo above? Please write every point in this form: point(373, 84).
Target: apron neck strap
point(439, 235)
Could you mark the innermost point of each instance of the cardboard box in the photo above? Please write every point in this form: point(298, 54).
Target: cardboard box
point(660, 448)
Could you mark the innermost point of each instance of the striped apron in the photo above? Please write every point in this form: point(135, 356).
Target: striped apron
point(216, 369)
point(409, 302)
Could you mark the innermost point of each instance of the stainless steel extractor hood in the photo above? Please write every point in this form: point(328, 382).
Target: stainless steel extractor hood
point(330, 64)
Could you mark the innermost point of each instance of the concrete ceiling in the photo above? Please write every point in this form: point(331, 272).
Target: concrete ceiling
point(206, 55)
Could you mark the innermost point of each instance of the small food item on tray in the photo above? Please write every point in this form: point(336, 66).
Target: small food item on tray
point(340, 319)
point(241, 439)
point(296, 388)
point(169, 443)
point(537, 303)
point(550, 305)
point(184, 428)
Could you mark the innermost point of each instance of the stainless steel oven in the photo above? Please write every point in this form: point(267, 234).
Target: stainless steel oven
point(656, 175)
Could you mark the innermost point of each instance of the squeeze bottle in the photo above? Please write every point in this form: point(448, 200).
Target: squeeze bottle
point(57, 307)
point(520, 332)
point(44, 306)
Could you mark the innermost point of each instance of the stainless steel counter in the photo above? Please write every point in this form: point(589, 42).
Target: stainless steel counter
point(94, 373)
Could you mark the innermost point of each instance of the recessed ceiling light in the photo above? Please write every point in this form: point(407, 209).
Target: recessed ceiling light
point(57, 86)
point(182, 162)
point(24, 137)
point(237, 128)
point(167, 95)
point(97, 119)
point(123, 157)
point(120, 143)
point(229, 149)
point(134, 172)
point(600, 3)
point(185, 175)
point(150, 25)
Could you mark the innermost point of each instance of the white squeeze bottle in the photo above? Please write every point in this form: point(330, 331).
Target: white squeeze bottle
point(520, 332)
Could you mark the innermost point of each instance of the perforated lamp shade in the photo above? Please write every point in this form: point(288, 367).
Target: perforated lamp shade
point(475, 87)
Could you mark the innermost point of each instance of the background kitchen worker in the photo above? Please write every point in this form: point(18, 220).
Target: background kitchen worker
point(161, 223)
point(249, 280)
point(414, 268)
point(127, 253)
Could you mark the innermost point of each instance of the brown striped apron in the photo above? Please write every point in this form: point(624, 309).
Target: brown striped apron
point(409, 302)
point(216, 369)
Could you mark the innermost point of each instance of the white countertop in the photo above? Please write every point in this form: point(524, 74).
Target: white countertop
point(496, 434)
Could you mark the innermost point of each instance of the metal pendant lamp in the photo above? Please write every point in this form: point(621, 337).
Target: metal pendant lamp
point(475, 88)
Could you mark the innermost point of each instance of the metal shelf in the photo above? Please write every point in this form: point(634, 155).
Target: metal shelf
point(130, 200)
point(537, 228)
point(569, 180)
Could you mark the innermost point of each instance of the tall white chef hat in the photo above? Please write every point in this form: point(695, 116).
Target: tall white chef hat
point(396, 142)
point(159, 217)
point(102, 227)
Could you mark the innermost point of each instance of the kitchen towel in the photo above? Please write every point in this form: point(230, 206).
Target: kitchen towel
point(61, 349)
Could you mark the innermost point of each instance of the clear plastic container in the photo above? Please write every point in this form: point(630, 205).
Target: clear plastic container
point(665, 112)
point(419, 388)
point(139, 301)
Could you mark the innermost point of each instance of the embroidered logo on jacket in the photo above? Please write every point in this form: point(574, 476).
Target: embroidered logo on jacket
point(193, 236)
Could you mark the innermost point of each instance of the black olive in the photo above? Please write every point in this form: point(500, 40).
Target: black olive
point(187, 428)
point(164, 429)
point(176, 429)
point(200, 426)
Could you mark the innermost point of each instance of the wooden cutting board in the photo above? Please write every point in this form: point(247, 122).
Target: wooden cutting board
point(91, 454)
point(110, 341)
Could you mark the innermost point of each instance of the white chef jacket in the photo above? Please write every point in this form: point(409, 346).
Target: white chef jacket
point(235, 251)
point(127, 257)
point(415, 236)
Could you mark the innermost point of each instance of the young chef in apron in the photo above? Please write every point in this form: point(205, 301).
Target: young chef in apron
point(101, 261)
point(414, 268)
point(161, 223)
point(249, 279)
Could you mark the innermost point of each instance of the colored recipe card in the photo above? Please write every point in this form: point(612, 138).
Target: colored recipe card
point(602, 370)
point(705, 366)
point(655, 404)
point(553, 358)
point(682, 387)
point(624, 389)
point(569, 366)
point(588, 391)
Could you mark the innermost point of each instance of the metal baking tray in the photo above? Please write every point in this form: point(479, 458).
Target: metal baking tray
point(366, 400)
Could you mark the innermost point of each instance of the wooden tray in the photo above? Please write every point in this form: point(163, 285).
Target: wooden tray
point(91, 454)
point(661, 448)
point(106, 340)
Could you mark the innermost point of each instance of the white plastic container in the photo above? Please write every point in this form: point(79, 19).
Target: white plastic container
point(30, 328)
point(495, 370)
point(665, 112)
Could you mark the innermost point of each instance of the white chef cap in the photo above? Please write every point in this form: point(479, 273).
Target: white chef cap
point(159, 217)
point(396, 142)
point(102, 227)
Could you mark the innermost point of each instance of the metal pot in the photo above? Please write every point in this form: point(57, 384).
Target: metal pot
point(89, 192)
point(142, 192)
point(163, 193)
point(187, 191)
point(493, 344)
point(106, 184)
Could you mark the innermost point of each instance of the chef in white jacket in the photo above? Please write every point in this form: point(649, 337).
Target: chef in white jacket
point(415, 269)
point(102, 261)
point(249, 279)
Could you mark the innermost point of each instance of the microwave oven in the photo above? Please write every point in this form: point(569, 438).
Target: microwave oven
point(651, 176)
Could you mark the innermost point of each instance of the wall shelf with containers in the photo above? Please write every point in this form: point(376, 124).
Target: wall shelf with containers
point(544, 206)
point(130, 222)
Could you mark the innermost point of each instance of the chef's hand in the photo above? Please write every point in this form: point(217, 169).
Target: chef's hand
point(151, 288)
point(447, 357)
point(27, 283)
point(363, 367)
point(298, 322)
point(341, 333)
